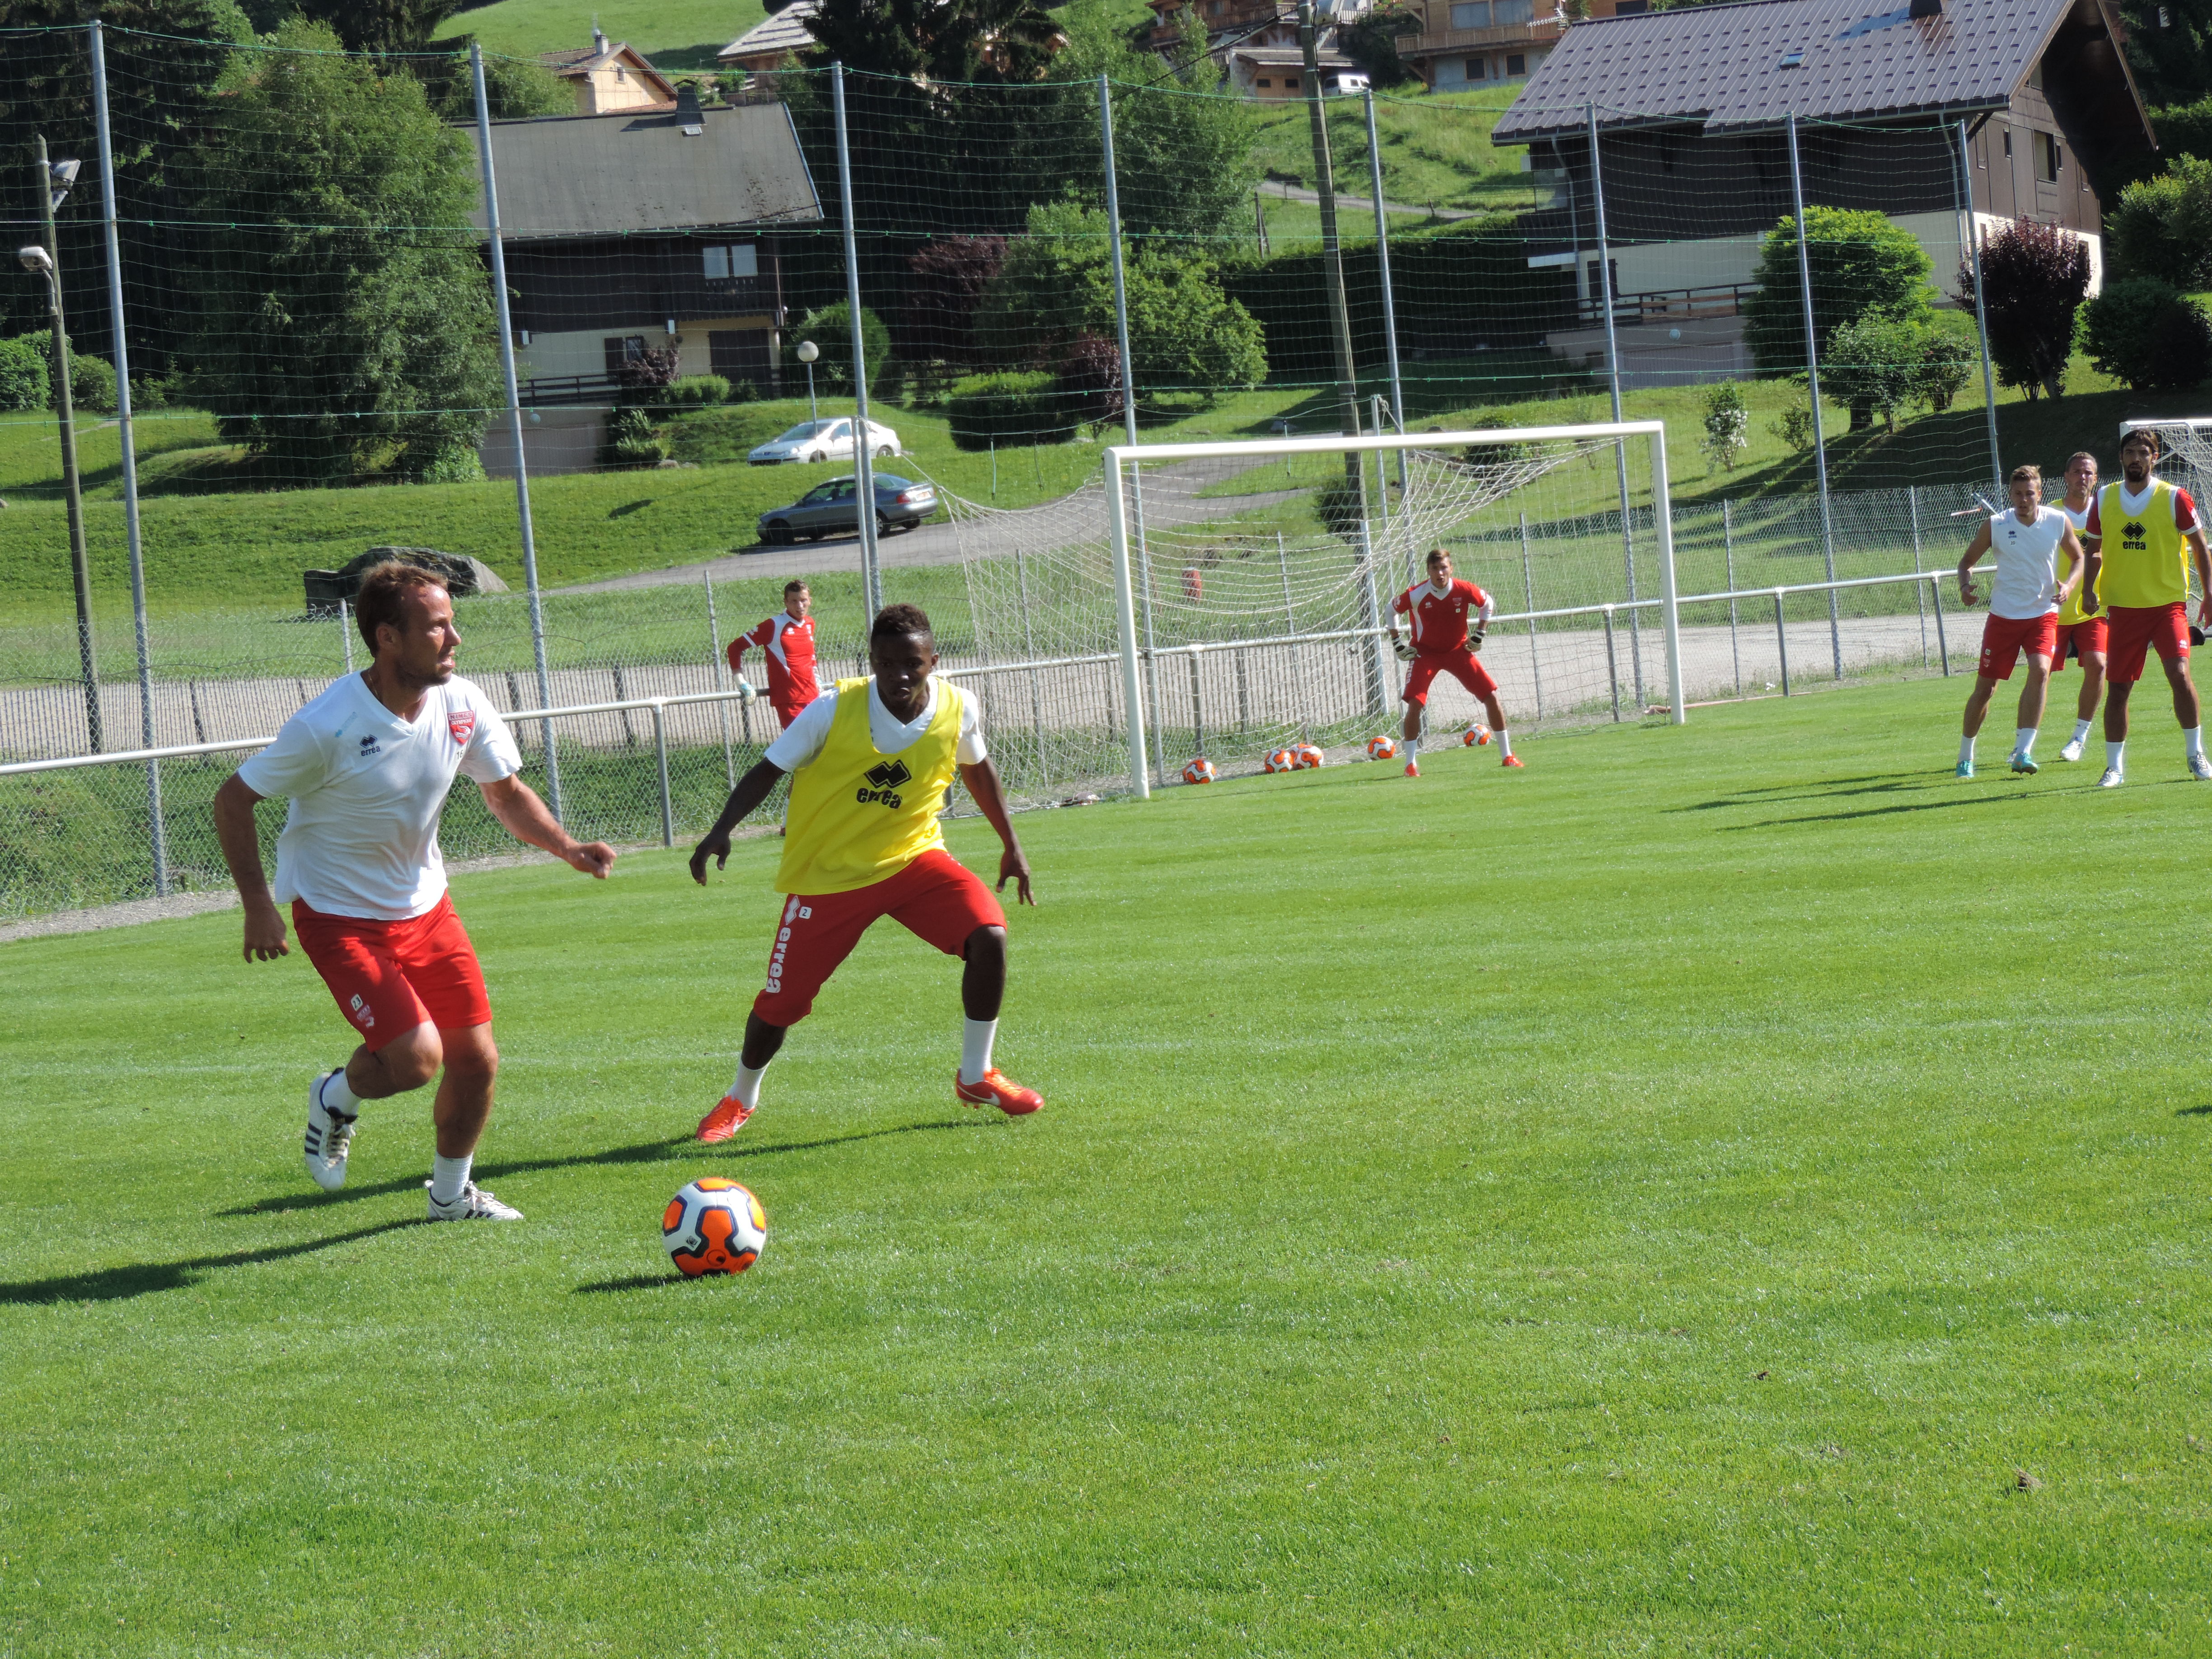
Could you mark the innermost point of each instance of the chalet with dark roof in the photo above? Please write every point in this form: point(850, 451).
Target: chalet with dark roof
point(1692, 108)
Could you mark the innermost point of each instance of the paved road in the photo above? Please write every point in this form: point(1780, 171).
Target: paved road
point(1288, 192)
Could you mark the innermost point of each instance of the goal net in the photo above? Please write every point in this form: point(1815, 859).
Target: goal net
point(1222, 600)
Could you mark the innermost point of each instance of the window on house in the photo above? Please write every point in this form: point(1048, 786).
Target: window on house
point(1291, 81)
point(1516, 64)
point(1471, 15)
point(1213, 8)
point(621, 73)
point(2049, 157)
point(2008, 144)
point(1503, 12)
point(1265, 81)
point(1476, 68)
point(621, 348)
point(737, 259)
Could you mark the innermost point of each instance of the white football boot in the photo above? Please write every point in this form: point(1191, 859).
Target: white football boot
point(330, 1138)
point(2072, 751)
point(2113, 777)
point(473, 1205)
point(2200, 767)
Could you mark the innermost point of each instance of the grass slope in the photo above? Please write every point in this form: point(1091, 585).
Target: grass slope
point(1684, 1198)
point(1435, 151)
point(674, 33)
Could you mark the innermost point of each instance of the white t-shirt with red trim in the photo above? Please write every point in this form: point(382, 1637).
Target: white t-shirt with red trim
point(367, 789)
point(1439, 614)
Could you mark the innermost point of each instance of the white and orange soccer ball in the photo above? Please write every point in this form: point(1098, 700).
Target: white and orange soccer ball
point(1382, 748)
point(714, 1226)
point(1278, 760)
point(1304, 756)
point(1198, 770)
point(1476, 735)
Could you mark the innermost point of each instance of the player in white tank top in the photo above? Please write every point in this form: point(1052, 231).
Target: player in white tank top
point(2083, 623)
point(2026, 593)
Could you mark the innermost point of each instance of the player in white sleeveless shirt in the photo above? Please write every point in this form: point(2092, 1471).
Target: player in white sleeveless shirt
point(2081, 620)
point(366, 766)
point(2024, 597)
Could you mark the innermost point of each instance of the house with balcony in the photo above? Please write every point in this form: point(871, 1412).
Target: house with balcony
point(1468, 44)
point(1256, 40)
point(609, 76)
point(653, 230)
point(1951, 116)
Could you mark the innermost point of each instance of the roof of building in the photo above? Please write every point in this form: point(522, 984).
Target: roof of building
point(581, 60)
point(1749, 66)
point(636, 172)
point(786, 31)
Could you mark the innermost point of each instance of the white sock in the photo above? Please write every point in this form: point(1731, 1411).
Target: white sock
point(2116, 754)
point(449, 1177)
point(336, 1095)
point(1413, 747)
point(2081, 729)
point(1504, 742)
point(2023, 739)
point(1965, 751)
point(746, 1091)
point(975, 1048)
point(2194, 738)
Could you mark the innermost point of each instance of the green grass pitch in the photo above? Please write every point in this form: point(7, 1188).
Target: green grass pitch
point(1733, 1190)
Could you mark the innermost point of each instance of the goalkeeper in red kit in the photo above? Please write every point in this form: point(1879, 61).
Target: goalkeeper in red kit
point(1443, 644)
point(787, 642)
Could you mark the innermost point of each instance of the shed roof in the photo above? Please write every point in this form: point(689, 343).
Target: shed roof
point(1723, 66)
point(567, 176)
point(784, 32)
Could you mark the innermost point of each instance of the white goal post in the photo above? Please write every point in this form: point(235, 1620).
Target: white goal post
point(1124, 464)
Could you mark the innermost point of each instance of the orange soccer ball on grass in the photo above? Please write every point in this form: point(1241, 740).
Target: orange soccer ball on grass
point(1200, 770)
point(1278, 760)
point(1476, 735)
point(1304, 756)
point(714, 1226)
point(1382, 748)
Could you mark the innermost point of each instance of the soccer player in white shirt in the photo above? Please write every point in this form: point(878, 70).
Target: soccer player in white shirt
point(2026, 596)
point(367, 765)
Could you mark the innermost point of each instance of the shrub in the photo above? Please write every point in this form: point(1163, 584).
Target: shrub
point(1872, 365)
point(1794, 426)
point(1090, 382)
point(696, 392)
point(631, 441)
point(1947, 360)
point(831, 328)
point(2159, 227)
point(2036, 276)
point(23, 382)
point(2142, 331)
point(1861, 264)
point(1727, 425)
point(92, 382)
point(1026, 408)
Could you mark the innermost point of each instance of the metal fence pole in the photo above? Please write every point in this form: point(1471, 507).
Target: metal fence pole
point(1028, 650)
point(1782, 641)
point(1981, 314)
point(1528, 593)
point(1813, 382)
point(1728, 553)
point(718, 666)
point(1919, 593)
point(514, 425)
point(864, 464)
point(1611, 664)
point(346, 634)
point(1612, 378)
point(1942, 645)
point(660, 758)
point(1389, 299)
point(120, 351)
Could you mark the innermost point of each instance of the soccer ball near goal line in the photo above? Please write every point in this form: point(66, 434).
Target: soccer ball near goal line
point(1476, 735)
point(1304, 756)
point(714, 1226)
point(1382, 748)
point(1198, 770)
point(1278, 760)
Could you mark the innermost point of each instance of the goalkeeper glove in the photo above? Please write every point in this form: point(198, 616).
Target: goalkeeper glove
point(1404, 651)
point(1476, 641)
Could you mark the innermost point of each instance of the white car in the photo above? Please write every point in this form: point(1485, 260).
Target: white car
point(825, 440)
point(1347, 85)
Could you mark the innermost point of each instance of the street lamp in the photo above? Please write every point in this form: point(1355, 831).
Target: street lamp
point(808, 352)
point(42, 260)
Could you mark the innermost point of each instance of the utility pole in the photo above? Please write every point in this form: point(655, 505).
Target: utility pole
point(53, 183)
point(1332, 252)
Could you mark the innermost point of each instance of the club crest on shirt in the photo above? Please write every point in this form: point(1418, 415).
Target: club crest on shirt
point(460, 722)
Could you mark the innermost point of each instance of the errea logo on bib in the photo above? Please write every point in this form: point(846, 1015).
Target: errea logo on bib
point(885, 780)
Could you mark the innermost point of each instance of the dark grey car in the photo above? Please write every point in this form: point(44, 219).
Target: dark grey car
point(828, 509)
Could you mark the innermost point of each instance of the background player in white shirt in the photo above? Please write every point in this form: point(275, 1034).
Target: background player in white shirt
point(2026, 595)
point(367, 766)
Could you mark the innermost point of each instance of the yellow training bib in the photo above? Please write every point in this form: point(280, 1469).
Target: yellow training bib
point(2146, 558)
point(857, 816)
point(2072, 611)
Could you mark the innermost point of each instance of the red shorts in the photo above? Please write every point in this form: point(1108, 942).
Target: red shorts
point(2004, 639)
point(1460, 664)
point(390, 976)
point(936, 899)
point(2136, 628)
point(2084, 636)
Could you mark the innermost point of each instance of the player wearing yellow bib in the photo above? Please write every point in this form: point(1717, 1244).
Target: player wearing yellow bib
point(871, 764)
point(2142, 535)
point(2082, 624)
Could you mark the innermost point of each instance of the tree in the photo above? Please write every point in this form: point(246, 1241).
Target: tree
point(345, 325)
point(831, 328)
point(1872, 366)
point(1057, 285)
point(379, 25)
point(1727, 425)
point(2144, 332)
point(2162, 226)
point(949, 277)
point(941, 43)
point(1860, 264)
point(2036, 277)
point(2169, 47)
point(1370, 41)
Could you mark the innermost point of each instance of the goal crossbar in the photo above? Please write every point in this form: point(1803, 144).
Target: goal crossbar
point(1125, 537)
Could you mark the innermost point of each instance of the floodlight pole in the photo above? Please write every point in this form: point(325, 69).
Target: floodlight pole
point(119, 351)
point(515, 428)
point(80, 571)
point(1382, 271)
point(1812, 382)
point(864, 482)
point(1981, 312)
point(1613, 381)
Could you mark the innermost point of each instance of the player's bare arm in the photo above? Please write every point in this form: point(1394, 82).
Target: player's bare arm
point(242, 851)
point(1975, 550)
point(2197, 551)
point(982, 781)
point(752, 789)
point(518, 807)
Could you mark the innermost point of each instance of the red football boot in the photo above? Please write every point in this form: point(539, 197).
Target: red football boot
point(998, 1090)
point(1510, 760)
point(725, 1121)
